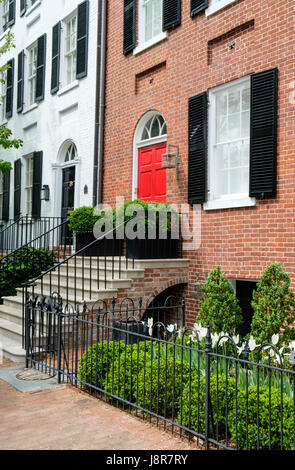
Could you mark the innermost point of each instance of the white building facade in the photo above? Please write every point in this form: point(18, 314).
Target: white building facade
point(49, 102)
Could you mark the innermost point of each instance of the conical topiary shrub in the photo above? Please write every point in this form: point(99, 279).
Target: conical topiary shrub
point(274, 306)
point(219, 308)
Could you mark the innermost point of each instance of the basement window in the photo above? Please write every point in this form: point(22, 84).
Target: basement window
point(244, 293)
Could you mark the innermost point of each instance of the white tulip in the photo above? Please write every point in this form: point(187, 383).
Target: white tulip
point(252, 344)
point(275, 339)
point(292, 345)
point(236, 339)
point(215, 338)
point(240, 349)
point(150, 323)
point(171, 328)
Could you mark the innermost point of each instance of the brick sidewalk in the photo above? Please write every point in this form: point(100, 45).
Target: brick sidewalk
point(66, 418)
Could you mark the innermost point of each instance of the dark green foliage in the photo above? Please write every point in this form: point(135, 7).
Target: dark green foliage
point(193, 404)
point(219, 308)
point(83, 219)
point(122, 377)
point(160, 385)
point(23, 265)
point(274, 306)
point(97, 361)
point(265, 417)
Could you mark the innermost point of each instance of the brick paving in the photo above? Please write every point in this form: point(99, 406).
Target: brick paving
point(65, 418)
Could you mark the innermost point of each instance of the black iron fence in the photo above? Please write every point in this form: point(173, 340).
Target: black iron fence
point(20, 232)
point(197, 385)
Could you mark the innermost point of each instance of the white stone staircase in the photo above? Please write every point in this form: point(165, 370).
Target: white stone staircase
point(76, 282)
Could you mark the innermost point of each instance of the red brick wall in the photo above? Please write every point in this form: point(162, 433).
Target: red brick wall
point(195, 57)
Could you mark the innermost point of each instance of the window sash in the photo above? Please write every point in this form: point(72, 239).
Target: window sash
point(3, 96)
point(150, 26)
point(229, 154)
point(70, 50)
point(29, 184)
point(32, 73)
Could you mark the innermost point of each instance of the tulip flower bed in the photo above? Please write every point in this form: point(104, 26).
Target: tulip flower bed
point(251, 399)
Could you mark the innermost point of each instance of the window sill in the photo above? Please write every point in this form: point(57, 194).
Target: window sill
point(230, 203)
point(215, 8)
point(30, 108)
point(67, 88)
point(150, 43)
point(33, 8)
point(4, 34)
point(3, 123)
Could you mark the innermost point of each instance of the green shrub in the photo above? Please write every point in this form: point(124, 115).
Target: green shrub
point(22, 266)
point(83, 219)
point(264, 416)
point(122, 376)
point(219, 308)
point(193, 403)
point(274, 306)
point(97, 361)
point(160, 385)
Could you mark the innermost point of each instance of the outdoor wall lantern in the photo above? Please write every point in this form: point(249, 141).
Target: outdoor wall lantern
point(171, 159)
point(44, 196)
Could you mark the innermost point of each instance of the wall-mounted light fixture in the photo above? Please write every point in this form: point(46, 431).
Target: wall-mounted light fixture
point(45, 193)
point(171, 160)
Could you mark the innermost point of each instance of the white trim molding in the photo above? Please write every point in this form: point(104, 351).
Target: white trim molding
point(216, 5)
point(230, 203)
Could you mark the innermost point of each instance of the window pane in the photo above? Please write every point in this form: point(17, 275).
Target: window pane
point(234, 102)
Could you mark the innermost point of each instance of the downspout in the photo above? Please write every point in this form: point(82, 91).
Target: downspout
point(100, 104)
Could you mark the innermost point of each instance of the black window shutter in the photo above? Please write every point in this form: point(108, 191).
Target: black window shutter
point(129, 40)
point(23, 7)
point(41, 63)
point(11, 13)
point(37, 183)
point(6, 196)
point(20, 82)
point(263, 134)
point(82, 39)
point(17, 188)
point(197, 6)
point(197, 150)
point(55, 65)
point(9, 88)
point(171, 14)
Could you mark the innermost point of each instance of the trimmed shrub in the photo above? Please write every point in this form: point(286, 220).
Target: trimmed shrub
point(193, 404)
point(219, 308)
point(274, 306)
point(160, 385)
point(123, 374)
point(269, 412)
point(97, 361)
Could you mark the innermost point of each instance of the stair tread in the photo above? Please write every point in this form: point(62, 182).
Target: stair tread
point(11, 326)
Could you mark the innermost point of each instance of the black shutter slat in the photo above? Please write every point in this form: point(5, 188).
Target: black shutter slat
point(37, 184)
point(197, 140)
point(129, 39)
point(6, 196)
point(82, 40)
point(11, 13)
point(263, 134)
point(171, 14)
point(40, 73)
point(55, 65)
point(17, 188)
point(23, 7)
point(20, 81)
point(9, 88)
point(197, 6)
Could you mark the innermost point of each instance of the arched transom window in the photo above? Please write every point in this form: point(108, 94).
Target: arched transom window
point(155, 127)
point(71, 153)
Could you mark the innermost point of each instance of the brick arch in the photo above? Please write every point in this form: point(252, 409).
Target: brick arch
point(164, 286)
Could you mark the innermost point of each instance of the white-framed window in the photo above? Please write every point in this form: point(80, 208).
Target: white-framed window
point(216, 5)
point(71, 153)
point(29, 183)
point(229, 145)
point(70, 49)
point(3, 96)
point(149, 24)
point(31, 74)
point(5, 15)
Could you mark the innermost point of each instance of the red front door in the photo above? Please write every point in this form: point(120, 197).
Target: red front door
point(151, 175)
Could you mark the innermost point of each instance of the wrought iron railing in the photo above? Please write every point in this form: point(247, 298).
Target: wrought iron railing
point(23, 230)
point(185, 381)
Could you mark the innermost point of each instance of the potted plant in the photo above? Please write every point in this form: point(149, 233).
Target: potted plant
point(149, 236)
point(82, 221)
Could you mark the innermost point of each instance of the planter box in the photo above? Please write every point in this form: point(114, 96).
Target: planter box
point(126, 330)
point(151, 249)
point(104, 247)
